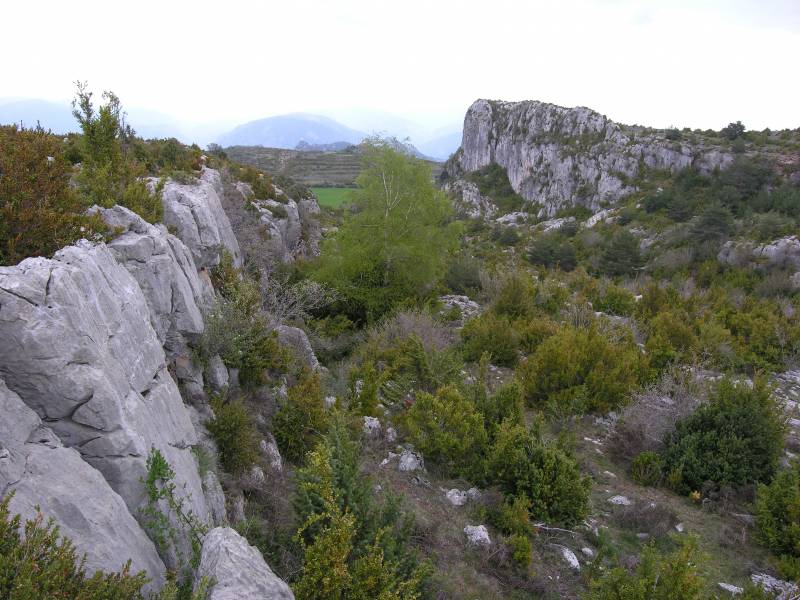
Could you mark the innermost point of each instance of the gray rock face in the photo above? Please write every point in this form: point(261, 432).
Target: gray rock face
point(783, 253)
point(77, 346)
point(557, 156)
point(238, 570)
point(165, 270)
point(296, 339)
point(195, 212)
point(470, 203)
point(41, 472)
point(289, 229)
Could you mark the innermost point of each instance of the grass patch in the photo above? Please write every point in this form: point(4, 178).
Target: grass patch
point(332, 197)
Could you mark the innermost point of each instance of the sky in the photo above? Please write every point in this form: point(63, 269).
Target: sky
point(696, 63)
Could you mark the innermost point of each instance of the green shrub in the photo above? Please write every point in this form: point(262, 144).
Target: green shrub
point(302, 419)
point(463, 275)
point(521, 549)
point(234, 432)
point(647, 468)
point(553, 252)
point(778, 514)
point(612, 299)
point(657, 577)
point(522, 463)
point(517, 296)
point(578, 370)
point(166, 517)
point(492, 334)
point(353, 546)
point(110, 173)
point(735, 439)
point(38, 563)
point(448, 430)
point(506, 404)
point(621, 255)
point(505, 236)
point(512, 517)
point(492, 181)
point(40, 212)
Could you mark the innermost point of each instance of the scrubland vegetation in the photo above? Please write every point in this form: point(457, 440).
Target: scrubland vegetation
point(548, 399)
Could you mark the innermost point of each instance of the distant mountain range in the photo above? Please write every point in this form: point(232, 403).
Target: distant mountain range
point(287, 131)
point(301, 131)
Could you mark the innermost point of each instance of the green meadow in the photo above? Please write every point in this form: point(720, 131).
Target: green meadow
point(332, 197)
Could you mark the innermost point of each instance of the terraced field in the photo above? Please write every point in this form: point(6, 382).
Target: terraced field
point(314, 169)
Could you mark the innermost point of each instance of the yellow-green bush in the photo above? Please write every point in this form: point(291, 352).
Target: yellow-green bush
point(448, 430)
point(579, 370)
point(36, 562)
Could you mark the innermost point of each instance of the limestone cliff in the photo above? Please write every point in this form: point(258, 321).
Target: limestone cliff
point(557, 157)
point(93, 344)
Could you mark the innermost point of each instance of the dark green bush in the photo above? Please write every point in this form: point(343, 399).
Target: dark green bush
point(553, 252)
point(735, 439)
point(505, 236)
point(463, 276)
point(449, 431)
point(235, 434)
point(517, 296)
point(492, 334)
point(612, 299)
point(38, 563)
point(521, 462)
point(492, 181)
point(505, 404)
point(778, 514)
point(621, 254)
point(302, 420)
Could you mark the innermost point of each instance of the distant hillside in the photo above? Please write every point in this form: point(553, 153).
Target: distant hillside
point(50, 115)
point(441, 146)
point(311, 168)
point(287, 131)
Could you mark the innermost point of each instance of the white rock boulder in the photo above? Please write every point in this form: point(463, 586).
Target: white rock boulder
point(237, 569)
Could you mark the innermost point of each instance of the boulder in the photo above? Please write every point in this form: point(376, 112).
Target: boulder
point(570, 558)
point(371, 428)
point(77, 346)
point(237, 570)
point(469, 202)
point(410, 461)
point(40, 471)
point(467, 308)
point(216, 374)
point(477, 535)
point(456, 497)
point(297, 340)
point(194, 211)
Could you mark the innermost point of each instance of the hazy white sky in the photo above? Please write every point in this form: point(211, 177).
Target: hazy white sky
point(667, 62)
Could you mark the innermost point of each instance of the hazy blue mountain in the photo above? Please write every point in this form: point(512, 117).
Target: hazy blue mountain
point(286, 131)
point(442, 146)
point(50, 115)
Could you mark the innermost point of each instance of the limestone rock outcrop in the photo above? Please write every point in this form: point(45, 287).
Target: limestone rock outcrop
point(557, 156)
point(40, 471)
point(77, 346)
point(194, 211)
point(238, 570)
point(289, 228)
